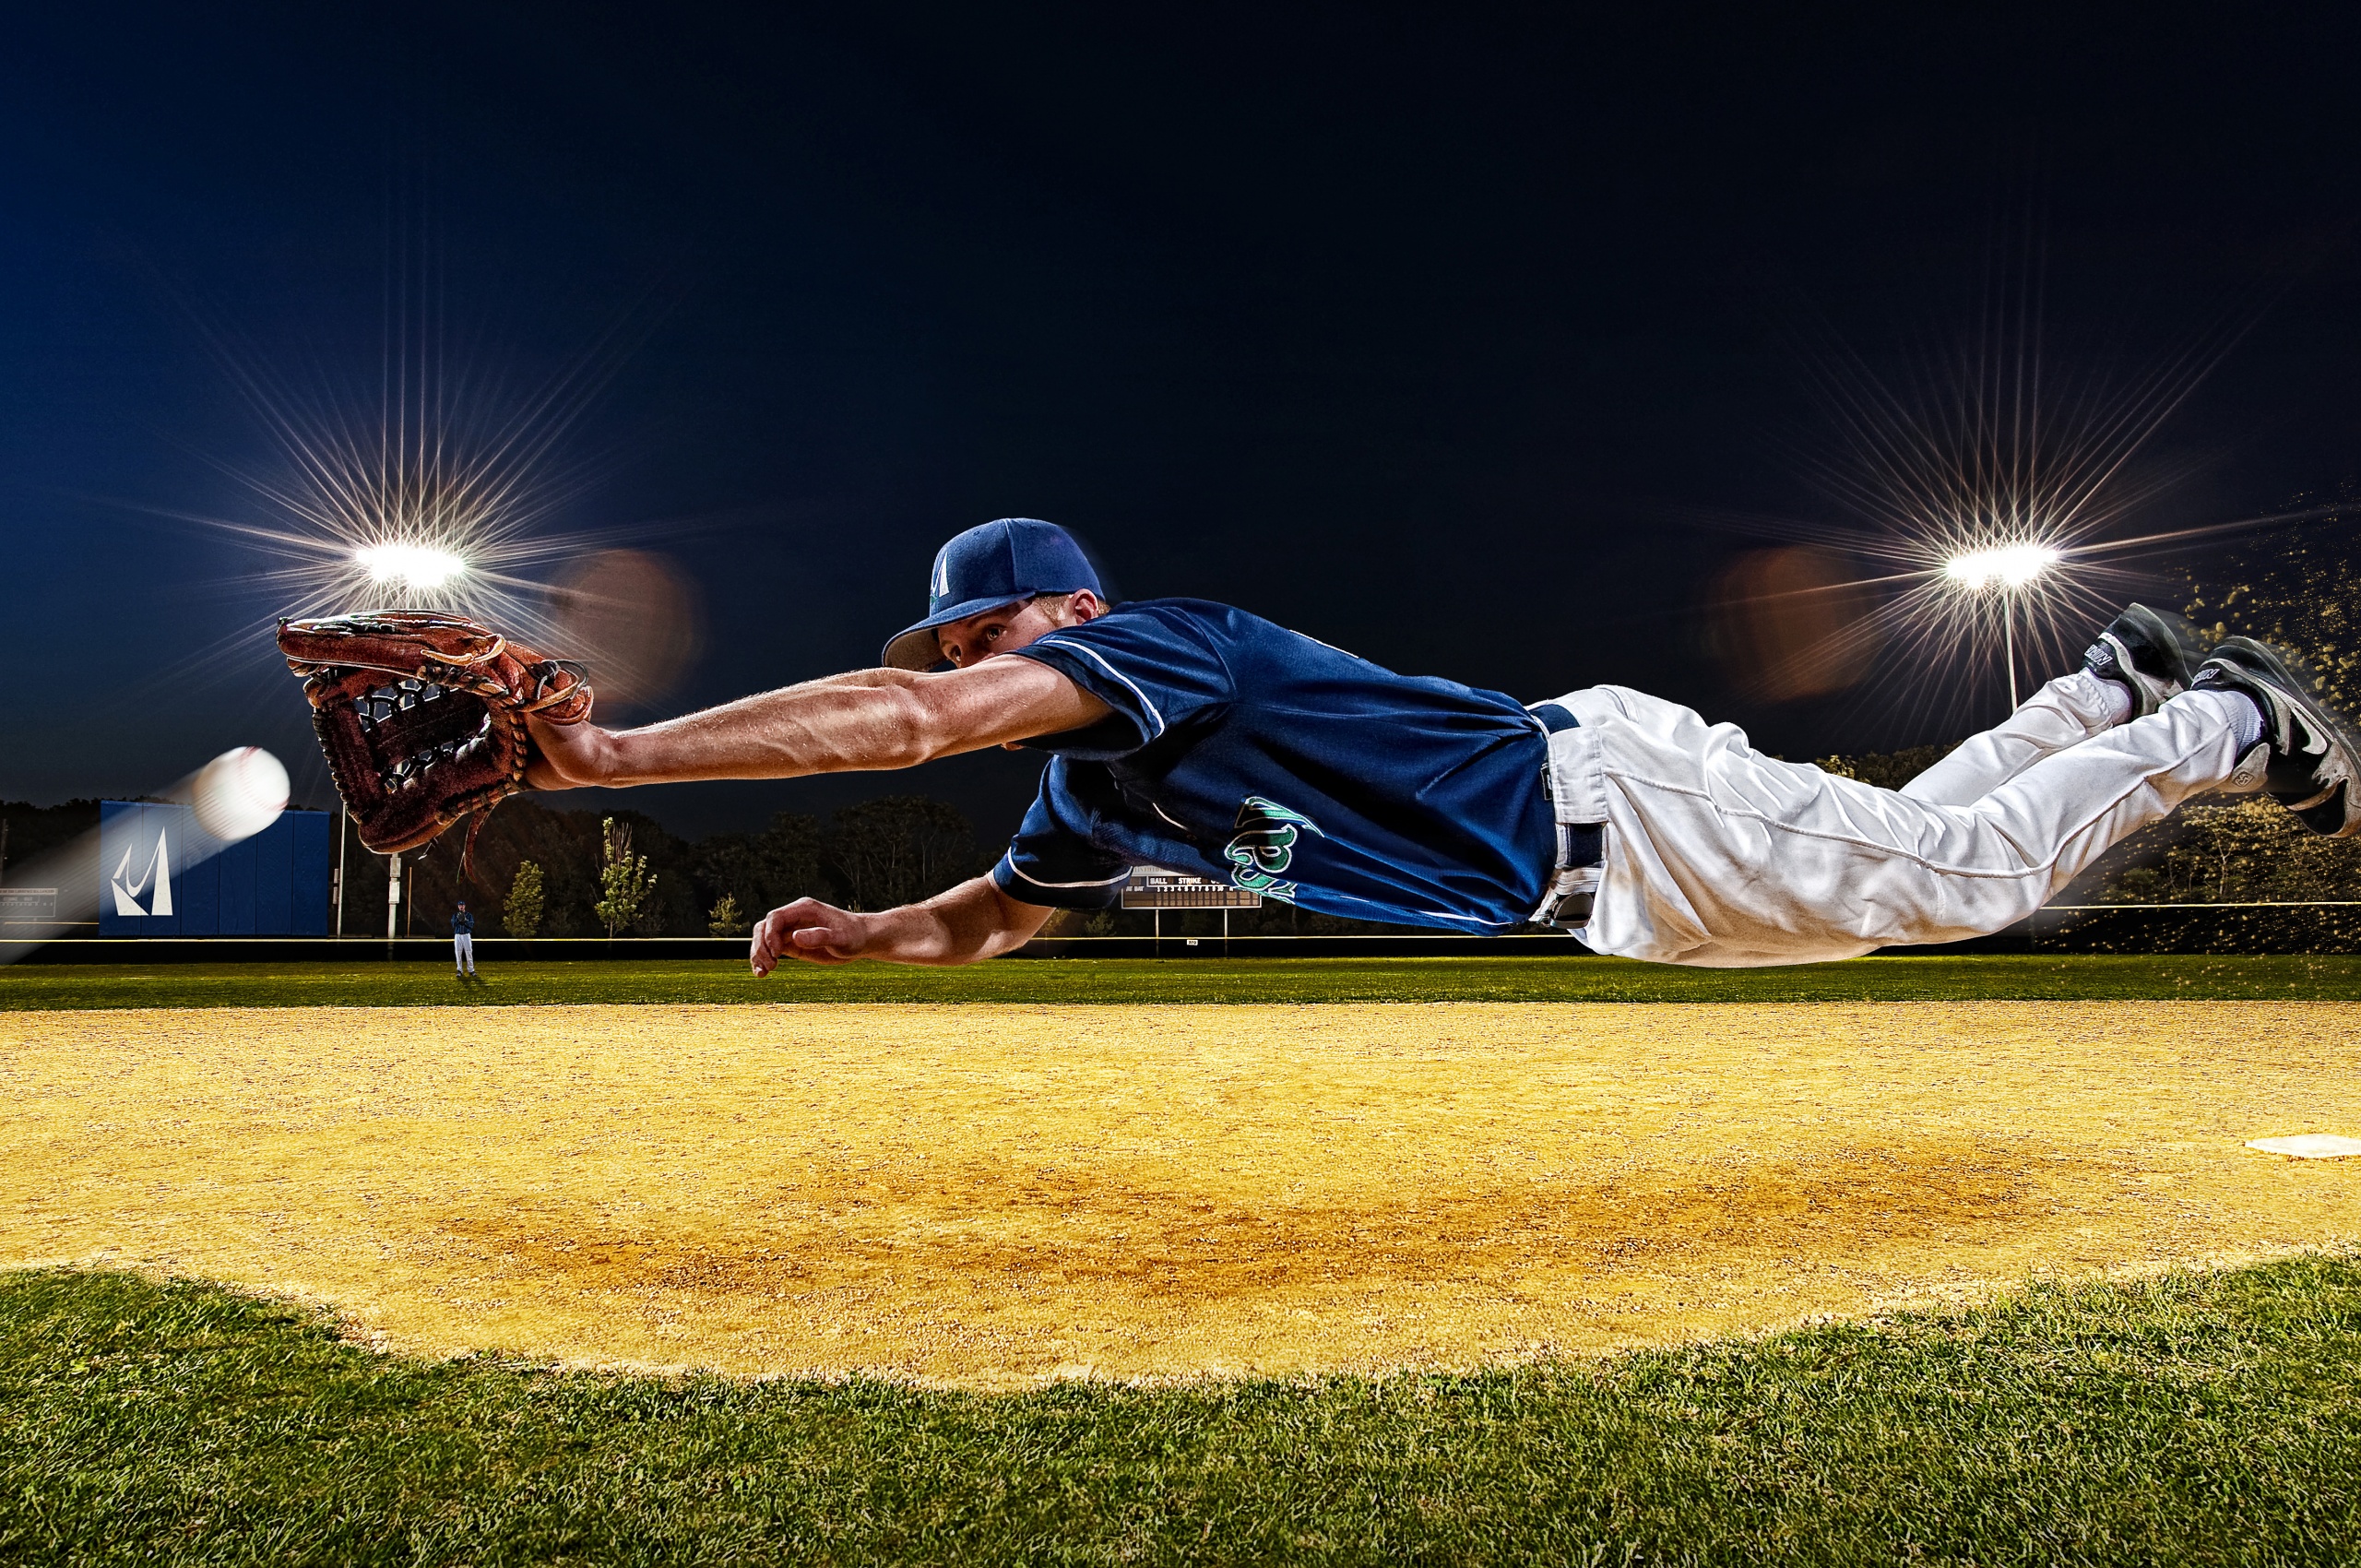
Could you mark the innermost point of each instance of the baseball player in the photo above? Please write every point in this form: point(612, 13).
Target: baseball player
point(463, 941)
point(1193, 735)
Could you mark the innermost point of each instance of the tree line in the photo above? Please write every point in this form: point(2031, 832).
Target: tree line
point(905, 848)
point(591, 867)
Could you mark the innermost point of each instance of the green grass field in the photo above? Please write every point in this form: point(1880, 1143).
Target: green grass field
point(364, 984)
point(2205, 1418)
point(2212, 1420)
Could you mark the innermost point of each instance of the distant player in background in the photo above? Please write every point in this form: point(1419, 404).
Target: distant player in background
point(463, 941)
point(1193, 735)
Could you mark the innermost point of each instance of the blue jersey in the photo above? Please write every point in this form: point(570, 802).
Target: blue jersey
point(1251, 754)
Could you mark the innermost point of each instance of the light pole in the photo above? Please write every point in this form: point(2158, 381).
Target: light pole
point(2009, 640)
point(343, 840)
point(2011, 568)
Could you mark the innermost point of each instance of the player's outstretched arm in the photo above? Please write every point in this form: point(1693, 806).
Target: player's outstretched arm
point(867, 720)
point(973, 921)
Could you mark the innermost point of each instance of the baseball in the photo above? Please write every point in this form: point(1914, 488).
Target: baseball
point(240, 794)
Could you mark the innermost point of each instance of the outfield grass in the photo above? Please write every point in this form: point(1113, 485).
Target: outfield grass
point(360, 983)
point(2206, 1420)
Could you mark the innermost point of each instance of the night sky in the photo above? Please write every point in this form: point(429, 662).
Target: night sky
point(1458, 343)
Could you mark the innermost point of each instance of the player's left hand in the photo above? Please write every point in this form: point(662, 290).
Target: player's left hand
point(809, 931)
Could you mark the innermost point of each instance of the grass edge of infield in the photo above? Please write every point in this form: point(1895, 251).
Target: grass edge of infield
point(2194, 1417)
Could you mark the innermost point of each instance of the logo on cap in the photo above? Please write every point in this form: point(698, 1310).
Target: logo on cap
point(1003, 562)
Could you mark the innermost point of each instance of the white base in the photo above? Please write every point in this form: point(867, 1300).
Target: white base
point(2309, 1145)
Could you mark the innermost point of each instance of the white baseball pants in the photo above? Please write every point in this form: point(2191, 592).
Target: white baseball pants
point(1719, 856)
point(463, 952)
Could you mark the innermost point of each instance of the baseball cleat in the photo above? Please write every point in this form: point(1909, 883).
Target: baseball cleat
point(2306, 758)
point(2151, 653)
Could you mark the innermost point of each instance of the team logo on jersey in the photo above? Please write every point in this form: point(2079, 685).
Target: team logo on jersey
point(128, 889)
point(1263, 846)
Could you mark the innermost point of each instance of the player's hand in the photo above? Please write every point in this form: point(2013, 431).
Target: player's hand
point(809, 931)
point(566, 756)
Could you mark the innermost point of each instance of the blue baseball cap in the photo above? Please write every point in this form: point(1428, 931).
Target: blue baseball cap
point(991, 565)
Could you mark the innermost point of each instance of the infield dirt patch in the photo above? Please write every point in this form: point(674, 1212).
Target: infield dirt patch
point(989, 1196)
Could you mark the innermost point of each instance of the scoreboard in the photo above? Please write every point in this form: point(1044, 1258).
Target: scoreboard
point(1153, 887)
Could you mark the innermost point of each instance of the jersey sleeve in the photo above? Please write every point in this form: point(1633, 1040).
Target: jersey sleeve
point(1158, 666)
point(1052, 861)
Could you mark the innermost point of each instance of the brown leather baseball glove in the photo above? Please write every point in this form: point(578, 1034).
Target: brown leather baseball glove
point(423, 716)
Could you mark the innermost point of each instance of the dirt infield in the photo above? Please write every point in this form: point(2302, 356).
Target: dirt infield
point(989, 1196)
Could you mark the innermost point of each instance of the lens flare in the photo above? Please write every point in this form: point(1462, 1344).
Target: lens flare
point(449, 474)
point(1993, 503)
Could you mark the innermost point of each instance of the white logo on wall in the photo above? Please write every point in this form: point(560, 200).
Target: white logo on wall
point(126, 891)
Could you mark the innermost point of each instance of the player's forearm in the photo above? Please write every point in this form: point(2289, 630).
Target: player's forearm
point(972, 921)
point(869, 719)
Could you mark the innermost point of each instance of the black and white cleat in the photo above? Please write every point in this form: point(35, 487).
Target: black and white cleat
point(2151, 653)
point(2307, 756)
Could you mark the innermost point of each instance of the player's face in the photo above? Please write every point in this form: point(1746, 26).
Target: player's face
point(1008, 628)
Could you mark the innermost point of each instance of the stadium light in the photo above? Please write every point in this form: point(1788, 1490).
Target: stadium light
point(412, 565)
point(2011, 565)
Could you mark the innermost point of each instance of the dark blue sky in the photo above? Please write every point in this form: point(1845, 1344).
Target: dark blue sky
point(1431, 336)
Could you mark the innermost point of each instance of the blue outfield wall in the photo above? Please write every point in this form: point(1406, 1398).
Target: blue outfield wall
point(161, 875)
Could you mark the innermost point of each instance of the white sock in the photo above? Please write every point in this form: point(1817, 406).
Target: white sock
point(2248, 720)
point(2244, 714)
point(2118, 698)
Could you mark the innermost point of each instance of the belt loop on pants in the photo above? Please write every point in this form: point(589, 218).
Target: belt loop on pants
point(1581, 846)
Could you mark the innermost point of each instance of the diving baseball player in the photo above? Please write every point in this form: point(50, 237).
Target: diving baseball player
point(1193, 735)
